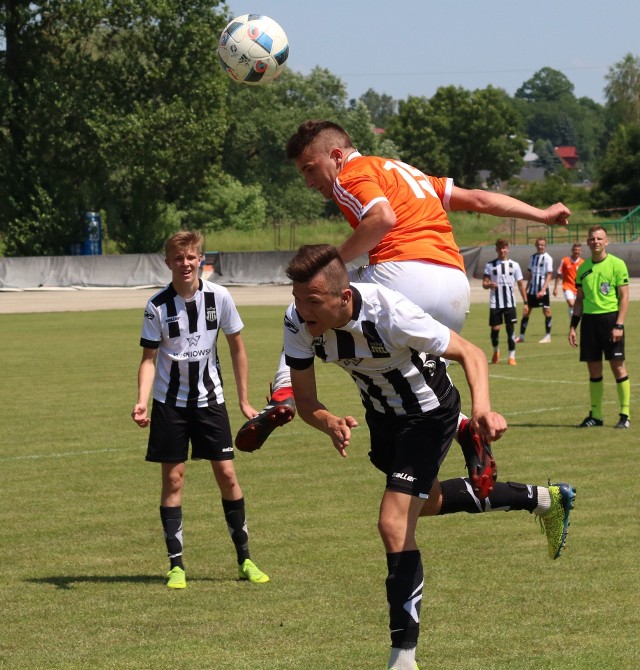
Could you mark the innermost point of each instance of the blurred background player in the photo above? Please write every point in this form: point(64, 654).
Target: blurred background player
point(500, 277)
point(399, 218)
point(180, 361)
point(540, 270)
point(602, 302)
point(566, 274)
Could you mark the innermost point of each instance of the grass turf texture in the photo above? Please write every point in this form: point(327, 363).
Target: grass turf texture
point(83, 561)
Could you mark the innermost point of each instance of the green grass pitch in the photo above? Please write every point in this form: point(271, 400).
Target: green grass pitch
point(83, 558)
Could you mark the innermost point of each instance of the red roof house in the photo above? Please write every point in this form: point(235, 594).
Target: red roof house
point(568, 156)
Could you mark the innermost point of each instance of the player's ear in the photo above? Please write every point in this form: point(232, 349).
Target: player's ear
point(346, 296)
point(336, 155)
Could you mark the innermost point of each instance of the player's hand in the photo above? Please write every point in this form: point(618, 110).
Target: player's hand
point(491, 425)
point(339, 430)
point(557, 215)
point(573, 337)
point(247, 410)
point(139, 415)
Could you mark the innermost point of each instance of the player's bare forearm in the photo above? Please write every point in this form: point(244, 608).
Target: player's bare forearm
point(240, 366)
point(474, 363)
point(370, 231)
point(499, 204)
point(319, 417)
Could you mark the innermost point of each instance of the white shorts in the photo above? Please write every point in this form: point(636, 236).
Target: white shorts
point(441, 291)
point(569, 295)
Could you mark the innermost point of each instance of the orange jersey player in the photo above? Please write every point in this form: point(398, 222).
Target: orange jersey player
point(567, 274)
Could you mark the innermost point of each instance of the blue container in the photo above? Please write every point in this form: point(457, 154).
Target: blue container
point(92, 243)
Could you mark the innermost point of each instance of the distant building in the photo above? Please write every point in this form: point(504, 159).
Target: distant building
point(568, 156)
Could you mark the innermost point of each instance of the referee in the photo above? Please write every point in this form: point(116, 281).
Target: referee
point(601, 303)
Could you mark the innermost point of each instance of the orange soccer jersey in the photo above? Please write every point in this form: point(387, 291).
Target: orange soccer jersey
point(568, 270)
point(422, 230)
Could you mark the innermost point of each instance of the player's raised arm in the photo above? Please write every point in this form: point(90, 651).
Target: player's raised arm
point(474, 363)
point(499, 204)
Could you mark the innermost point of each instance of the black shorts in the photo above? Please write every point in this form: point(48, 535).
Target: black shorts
point(172, 427)
point(498, 314)
point(409, 449)
point(534, 301)
point(595, 338)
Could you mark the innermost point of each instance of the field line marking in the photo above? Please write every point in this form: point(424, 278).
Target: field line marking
point(85, 452)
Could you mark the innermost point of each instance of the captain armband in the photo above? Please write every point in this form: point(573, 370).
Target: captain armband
point(575, 320)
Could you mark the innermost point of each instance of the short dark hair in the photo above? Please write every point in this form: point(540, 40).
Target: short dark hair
point(501, 242)
point(312, 259)
point(309, 131)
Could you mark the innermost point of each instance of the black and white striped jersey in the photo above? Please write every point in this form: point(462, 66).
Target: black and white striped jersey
point(391, 349)
point(185, 333)
point(539, 266)
point(505, 274)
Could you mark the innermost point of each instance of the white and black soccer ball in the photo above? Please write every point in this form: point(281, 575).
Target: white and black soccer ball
point(253, 49)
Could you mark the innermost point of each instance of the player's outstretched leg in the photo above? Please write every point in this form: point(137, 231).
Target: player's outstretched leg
point(281, 408)
point(555, 523)
point(478, 457)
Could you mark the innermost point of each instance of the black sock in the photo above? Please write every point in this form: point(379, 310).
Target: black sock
point(511, 340)
point(495, 338)
point(172, 524)
point(547, 325)
point(458, 496)
point(404, 594)
point(237, 526)
point(523, 324)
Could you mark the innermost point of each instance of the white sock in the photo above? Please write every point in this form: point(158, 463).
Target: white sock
point(402, 659)
point(544, 501)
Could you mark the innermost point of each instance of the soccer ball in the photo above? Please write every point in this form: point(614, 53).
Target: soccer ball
point(253, 49)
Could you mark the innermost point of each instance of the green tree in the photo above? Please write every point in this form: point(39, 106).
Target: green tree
point(381, 106)
point(261, 120)
point(458, 133)
point(623, 91)
point(619, 178)
point(114, 106)
point(553, 114)
point(547, 157)
point(546, 85)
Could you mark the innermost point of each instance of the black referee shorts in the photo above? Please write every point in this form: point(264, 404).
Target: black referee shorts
point(409, 449)
point(595, 338)
point(172, 428)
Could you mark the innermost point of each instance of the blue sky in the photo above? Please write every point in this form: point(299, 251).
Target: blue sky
point(412, 47)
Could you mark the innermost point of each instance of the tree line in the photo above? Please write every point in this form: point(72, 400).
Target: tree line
point(120, 106)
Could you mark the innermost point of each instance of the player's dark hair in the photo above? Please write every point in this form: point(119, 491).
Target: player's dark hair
point(312, 259)
point(184, 239)
point(501, 242)
point(309, 131)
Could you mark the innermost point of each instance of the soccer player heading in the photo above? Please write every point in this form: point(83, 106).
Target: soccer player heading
point(399, 217)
